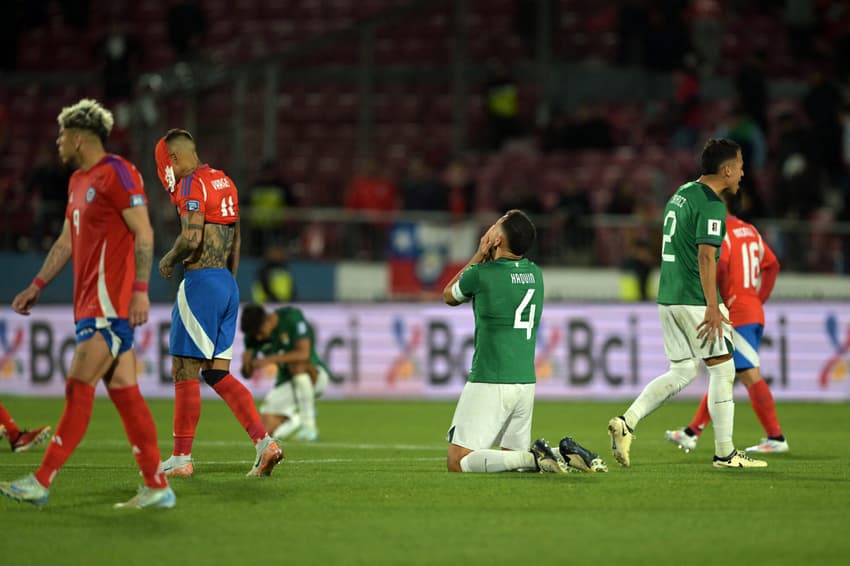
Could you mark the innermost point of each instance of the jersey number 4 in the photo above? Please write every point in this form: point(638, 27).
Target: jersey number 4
point(527, 325)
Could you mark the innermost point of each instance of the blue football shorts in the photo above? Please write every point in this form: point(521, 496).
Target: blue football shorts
point(203, 320)
point(747, 339)
point(116, 332)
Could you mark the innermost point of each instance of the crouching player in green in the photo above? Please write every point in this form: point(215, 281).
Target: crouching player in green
point(285, 339)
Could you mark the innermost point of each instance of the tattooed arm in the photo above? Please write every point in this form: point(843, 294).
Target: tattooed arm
point(57, 258)
point(187, 243)
point(137, 220)
point(233, 259)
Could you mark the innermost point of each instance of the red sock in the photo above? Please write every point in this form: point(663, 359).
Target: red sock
point(12, 430)
point(701, 417)
point(141, 432)
point(79, 399)
point(762, 401)
point(240, 401)
point(187, 413)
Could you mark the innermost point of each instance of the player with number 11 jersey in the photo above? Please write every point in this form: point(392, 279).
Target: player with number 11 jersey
point(210, 192)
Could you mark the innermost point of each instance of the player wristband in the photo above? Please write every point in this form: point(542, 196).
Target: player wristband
point(40, 283)
point(141, 286)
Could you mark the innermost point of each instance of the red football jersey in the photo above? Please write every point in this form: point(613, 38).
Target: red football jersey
point(746, 272)
point(103, 248)
point(210, 192)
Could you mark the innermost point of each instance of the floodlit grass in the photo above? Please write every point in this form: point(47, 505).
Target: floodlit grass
point(374, 491)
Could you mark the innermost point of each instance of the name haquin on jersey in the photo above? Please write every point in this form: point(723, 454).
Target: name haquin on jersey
point(508, 303)
point(210, 192)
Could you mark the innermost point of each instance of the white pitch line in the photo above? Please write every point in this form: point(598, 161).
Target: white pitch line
point(286, 444)
point(201, 463)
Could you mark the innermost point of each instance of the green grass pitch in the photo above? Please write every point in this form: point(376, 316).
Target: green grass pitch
point(374, 491)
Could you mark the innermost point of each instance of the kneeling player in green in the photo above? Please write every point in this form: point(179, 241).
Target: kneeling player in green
point(285, 339)
point(497, 403)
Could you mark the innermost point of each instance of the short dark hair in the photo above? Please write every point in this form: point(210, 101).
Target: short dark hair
point(716, 152)
point(519, 230)
point(175, 133)
point(252, 319)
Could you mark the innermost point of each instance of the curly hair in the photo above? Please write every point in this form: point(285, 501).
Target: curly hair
point(87, 114)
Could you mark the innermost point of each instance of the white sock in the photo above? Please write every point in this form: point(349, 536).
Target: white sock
point(491, 461)
point(287, 427)
point(305, 396)
point(721, 407)
point(660, 389)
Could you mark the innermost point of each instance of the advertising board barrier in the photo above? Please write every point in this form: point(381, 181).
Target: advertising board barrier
point(404, 350)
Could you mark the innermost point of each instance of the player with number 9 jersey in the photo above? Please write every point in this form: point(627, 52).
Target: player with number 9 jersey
point(103, 247)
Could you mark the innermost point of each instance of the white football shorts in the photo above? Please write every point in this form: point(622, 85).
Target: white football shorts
point(679, 328)
point(493, 415)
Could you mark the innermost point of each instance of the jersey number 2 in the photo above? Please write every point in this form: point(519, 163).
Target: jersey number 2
point(527, 325)
point(667, 237)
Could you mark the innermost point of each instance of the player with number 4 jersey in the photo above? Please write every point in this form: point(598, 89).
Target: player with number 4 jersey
point(497, 403)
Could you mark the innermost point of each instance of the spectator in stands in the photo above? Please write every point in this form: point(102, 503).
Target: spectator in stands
point(501, 104)
point(47, 187)
point(274, 283)
point(572, 216)
point(706, 24)
point(187, 27)
point(420, 189)
point(118, 54)
point(371, 195)
point(798, 187)
point(751, 85)
point(687, 105)
point(823, 103)
point(462, 192)
point(269, 198)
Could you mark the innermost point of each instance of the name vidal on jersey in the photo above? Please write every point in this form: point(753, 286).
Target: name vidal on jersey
point(219, 184)
point(522, 278)
point(678, 200)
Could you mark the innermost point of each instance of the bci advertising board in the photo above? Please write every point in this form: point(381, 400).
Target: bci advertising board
point(424, 351)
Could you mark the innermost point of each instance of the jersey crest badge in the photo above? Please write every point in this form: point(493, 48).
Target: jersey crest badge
point(137, 200)
point(192, 205)
point(90, 194)
point(714, 227)
point(284, 337)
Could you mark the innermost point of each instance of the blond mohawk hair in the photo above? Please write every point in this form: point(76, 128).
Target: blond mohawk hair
point(87, 114)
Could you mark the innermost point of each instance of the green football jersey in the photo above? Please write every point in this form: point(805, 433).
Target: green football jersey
point(694, 215)
point(291, 327)
point(507, 299)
